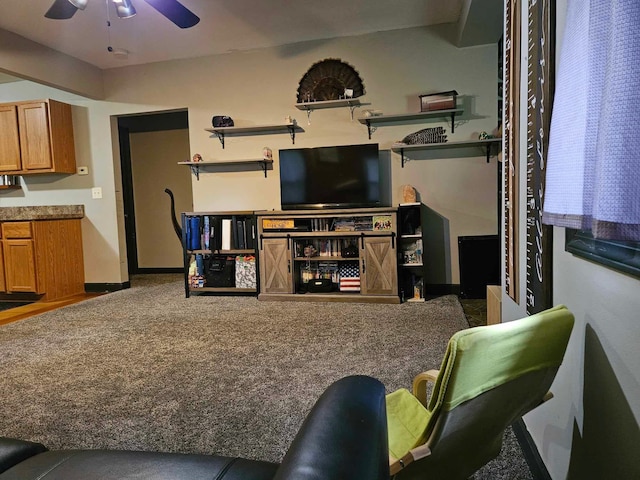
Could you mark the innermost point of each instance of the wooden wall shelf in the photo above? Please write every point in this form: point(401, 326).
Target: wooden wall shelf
point(309, 107)
point(486, 144)
point(196, 166)
point(401, 117)
point(221, 132)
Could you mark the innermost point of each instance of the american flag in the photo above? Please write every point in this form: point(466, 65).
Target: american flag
point(349, 277)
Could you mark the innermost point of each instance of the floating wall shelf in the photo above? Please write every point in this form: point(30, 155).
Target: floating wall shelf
point(221, 132)
point(352, 103)
point(400, 147)
point(195, 166)
point(400, 117)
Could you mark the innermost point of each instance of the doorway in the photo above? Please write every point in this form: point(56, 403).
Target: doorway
point(151, 145)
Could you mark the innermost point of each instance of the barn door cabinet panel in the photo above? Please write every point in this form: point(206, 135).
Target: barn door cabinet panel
point(36, 137)
point(378, 267)
point(277, 274)
point(42, 257)
point(341, 255)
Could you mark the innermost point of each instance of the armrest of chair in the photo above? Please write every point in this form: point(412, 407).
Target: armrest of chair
point(420, 384)
point(14, 451)
point(344, 435)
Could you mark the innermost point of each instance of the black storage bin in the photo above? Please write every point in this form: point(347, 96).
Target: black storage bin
point(220, 271)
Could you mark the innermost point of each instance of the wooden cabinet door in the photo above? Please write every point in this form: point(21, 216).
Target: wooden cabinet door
point(378, 266)
point(276, 274)
point(20, 268)
point(3, 285)
point(9, 139)
point(35, 143)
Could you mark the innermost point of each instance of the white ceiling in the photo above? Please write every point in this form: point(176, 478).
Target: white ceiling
point(225, 25)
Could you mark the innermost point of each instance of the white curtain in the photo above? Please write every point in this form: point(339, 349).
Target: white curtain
point(593, 166)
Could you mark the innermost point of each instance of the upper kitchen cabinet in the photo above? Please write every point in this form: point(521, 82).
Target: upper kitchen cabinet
point(36, 137)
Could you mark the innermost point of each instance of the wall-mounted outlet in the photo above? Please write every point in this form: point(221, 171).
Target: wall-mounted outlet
point(96, 192)
point(83, 171)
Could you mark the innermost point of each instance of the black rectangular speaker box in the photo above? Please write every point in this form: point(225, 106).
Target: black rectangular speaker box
point(479, 264)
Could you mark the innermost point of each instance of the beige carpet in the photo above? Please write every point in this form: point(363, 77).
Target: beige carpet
point(147, 369)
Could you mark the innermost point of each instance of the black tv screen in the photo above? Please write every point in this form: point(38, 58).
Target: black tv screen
point(330, 177)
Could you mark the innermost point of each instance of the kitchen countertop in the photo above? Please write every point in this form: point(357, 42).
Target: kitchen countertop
point(43, 212)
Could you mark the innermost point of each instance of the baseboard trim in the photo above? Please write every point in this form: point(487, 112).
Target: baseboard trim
point(105, 287)
point(155, 270)
point(530, 451)
point(20, 297)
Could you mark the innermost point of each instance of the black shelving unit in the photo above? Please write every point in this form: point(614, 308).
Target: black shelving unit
point(214, 244)
point(411, 245)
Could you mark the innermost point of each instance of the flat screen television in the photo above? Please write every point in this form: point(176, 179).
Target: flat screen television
point(346, 176)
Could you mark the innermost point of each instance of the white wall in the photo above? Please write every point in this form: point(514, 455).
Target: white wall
point(590, 428)
point(92, 134)
point(259, 87)
point(32, 61)
point(154, 167)
point(95, 133)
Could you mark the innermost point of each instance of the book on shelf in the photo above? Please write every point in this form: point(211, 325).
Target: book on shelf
point(193, 233)
point(206, 233)
point(240, 233)
point(216, 233)
point(226, 234)
point(320, 224)
point(363, 224)
point(344, 225)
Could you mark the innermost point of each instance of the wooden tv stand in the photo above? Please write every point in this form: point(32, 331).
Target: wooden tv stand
point(290, 272)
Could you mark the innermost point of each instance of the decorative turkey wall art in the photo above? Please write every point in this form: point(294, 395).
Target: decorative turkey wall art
point(330, 79)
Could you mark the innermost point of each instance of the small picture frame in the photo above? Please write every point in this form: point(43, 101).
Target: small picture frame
point(438, 101)
point(382, 222)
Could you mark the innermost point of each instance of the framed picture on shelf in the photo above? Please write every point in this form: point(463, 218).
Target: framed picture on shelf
point(382, 222)
point(438, 101)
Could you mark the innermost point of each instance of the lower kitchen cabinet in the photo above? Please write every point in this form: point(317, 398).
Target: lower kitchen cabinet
point(42, 257)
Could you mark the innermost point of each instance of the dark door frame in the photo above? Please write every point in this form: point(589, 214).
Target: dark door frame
point(127, 124)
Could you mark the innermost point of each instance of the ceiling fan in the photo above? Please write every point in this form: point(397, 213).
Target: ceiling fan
point(172, 9)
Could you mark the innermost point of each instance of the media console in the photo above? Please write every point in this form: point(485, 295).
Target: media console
point(338, 255)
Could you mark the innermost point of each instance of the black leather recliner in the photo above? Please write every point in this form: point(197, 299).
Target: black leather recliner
point(344, 437)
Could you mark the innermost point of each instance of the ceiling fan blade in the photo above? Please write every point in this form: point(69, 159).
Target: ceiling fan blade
point(61, 10)
point(176, 12)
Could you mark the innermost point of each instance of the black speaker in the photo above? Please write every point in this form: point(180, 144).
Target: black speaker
point(479, 264)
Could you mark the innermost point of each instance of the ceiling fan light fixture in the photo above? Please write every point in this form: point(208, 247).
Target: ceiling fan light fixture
point(124, 8)
point(120, 53)
point(79, 4)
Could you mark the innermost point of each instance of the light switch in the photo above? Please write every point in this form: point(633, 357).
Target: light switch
point(83, 171)
point(96, 192)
